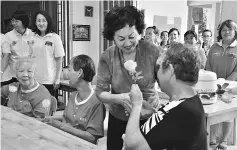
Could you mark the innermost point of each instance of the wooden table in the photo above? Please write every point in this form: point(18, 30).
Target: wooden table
point(219, 112)
point(20, 132)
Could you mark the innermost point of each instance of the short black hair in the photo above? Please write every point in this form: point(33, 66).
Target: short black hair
point(50, 27)
point(163, 32)
point(23, 17)
point(230, 24)
point(173, 29)
point(119, 17)
point(206, 30)
point(185, 61)
point(155, 30)
point(191, 32)
point(85, 63)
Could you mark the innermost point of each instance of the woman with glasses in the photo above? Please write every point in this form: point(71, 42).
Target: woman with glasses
point(207, 43)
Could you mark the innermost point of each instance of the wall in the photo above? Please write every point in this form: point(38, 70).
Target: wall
point(229, 10)
point(171, 9)
point(77, 14)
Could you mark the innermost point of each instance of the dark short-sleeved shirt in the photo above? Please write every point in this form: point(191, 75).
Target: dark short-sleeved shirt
point(112, 75)
point(87, 116)
point(179, 125)
point(33, 103)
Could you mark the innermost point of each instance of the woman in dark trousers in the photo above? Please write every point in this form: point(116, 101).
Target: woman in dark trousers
point(124, 26)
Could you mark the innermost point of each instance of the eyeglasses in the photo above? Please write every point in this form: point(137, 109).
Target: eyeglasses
point(206, 36)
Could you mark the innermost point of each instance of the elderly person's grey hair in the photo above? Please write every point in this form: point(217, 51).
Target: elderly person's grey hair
point(26, 59)
point(185, 62)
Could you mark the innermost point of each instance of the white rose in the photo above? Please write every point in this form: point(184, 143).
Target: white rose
point(130, 65)
point(12, 88)
point(46, 103)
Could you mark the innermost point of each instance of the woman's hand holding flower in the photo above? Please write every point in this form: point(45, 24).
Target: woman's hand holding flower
point(126, 103)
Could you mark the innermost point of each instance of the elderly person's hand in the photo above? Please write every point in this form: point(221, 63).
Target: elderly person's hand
point(123, 137)
point(136, 95)
point(126, 103)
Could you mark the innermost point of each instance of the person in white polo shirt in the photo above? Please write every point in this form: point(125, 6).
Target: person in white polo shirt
point(48, 50)
point(19, 40)
point(5, 55)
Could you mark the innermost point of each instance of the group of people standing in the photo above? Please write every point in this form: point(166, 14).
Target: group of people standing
point(39, 41)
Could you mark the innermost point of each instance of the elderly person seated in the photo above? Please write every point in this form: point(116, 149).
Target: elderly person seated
point(84, 114)
point(27, 96)
point(180, 124)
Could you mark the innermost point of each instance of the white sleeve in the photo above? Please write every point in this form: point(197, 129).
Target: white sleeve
point(5, 46)
point(58, 50)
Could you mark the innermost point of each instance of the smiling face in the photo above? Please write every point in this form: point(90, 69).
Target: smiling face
point(164, 36)
point(227, 33)
point(206, 37)
point(127, 38)
point(173, 37)
point(25, 73)
point(150, 35)
point(190, 39)
point(17, 24)
point(41, 23)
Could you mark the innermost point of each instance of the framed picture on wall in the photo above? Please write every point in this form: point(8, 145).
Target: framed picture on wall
point(88, 11)
point(81, 32)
